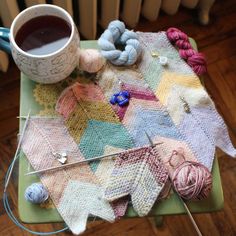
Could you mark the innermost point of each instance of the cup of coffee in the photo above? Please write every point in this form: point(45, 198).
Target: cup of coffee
point(44, 43)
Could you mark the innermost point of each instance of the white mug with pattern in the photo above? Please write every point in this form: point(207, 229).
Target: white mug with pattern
point(47, 68)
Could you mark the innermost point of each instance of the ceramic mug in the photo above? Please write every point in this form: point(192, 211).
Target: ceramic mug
point(49, 68)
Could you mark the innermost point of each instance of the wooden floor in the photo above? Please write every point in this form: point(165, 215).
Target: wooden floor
point(218, 42)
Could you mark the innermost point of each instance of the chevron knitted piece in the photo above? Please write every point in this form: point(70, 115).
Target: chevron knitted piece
point(139, 173)
point(144, 113)
point(95, 127)
point(177, 86)
point(75, 191)
point(98, 136)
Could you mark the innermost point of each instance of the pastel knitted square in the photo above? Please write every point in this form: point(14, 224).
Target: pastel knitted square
point(79, 105)
point(177, 86)
point(75, 191)
point(140, 174)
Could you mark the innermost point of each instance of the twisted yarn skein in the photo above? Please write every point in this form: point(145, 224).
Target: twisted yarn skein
point(36, 193)
point(194, 59)
point(114, 35)
point(192, 181)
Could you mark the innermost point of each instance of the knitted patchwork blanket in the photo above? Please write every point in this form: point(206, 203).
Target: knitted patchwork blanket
point(179, 89)
point(90, 126)
point(96, 129)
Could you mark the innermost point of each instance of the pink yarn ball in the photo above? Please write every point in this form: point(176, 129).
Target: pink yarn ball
point(90, 60)
point(192, 181)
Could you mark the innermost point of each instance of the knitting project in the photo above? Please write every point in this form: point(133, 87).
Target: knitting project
point(138, 173)
point(115, 138)
point(75, 191)
point(186, 100)
point(144, 114)
point(95, 127)
point(71, 104)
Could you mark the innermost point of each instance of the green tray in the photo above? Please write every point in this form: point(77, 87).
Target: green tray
point(30, 213)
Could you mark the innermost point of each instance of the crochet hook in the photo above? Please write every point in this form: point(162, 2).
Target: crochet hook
point(17, 150)
point(184, 204)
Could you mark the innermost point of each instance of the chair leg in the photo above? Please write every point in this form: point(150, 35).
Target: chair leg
point(158, 220)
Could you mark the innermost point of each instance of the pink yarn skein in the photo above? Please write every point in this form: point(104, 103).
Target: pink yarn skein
point(194, 59)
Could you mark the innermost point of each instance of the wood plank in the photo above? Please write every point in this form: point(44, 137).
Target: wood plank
point(217, 86)
point(220, 50)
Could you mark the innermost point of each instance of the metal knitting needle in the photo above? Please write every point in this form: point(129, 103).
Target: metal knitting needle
point(184, 204)
point(190, 215)
point(78, 162)
point(45, 117)
point(149, 139)
point(16, 153)
point(71, 164)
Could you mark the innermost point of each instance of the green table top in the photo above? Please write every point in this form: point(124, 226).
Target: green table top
point(30, 213)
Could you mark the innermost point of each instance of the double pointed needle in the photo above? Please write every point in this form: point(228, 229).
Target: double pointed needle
point(17, 151)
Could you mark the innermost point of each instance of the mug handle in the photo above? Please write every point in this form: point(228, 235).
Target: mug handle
point(4, 40)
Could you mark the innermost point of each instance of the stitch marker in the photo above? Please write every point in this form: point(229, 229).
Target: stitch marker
point(154, 54)
point(61, 157)
point(163, 60)
point(186, 105)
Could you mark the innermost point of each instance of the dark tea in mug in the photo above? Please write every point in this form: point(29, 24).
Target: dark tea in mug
point(43, 35)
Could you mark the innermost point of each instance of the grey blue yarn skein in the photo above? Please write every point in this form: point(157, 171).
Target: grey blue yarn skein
point(36, 193)
point(117, 34)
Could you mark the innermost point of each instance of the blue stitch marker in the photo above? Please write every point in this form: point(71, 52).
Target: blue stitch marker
point(121, 98)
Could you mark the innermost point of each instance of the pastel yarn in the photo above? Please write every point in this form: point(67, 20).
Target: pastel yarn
point(36, 193)
point(192, 181)
point(114, 35)
point(90, 60)
point(194, 59)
